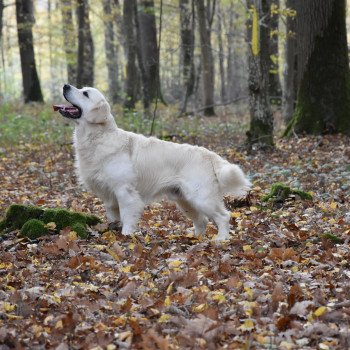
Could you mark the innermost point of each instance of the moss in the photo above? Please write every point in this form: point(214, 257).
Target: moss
point(34, 228)
point(18, 214)
point(22, 216)
point(280, 192)
point(333, 238)
point(80, 229)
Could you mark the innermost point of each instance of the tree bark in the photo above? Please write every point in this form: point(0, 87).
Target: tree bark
point(187, 25)
point(260, 134)
point(69, 40)
point(323, 103)
point(290, 70)
point(221, 56)
point(206, 58)
point(149, 49)
point(25, 20)
point(131, 79)
point(111, 56)
point(275, 89)
point(85, 71)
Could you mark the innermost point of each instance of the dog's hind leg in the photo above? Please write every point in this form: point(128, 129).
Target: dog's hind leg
point(199, 220)
point(131, 207)
point(222, 219)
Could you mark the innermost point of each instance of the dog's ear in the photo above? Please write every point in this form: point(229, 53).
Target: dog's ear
point(99, 114)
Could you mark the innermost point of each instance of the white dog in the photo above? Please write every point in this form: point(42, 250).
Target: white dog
point(128, 171)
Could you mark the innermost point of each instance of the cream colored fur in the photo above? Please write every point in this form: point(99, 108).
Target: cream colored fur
point(128, 171)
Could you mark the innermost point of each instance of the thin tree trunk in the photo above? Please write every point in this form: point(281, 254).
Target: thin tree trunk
point(69, 40)
point(260, 134)
point(187, 24)
point(25, 21)
point(290, 71)
point(85, 71)
point(131, 79)
point(275, 89)
point(221, 56)
point(149, 47)
point(206, 58)
point(111, 57)
point(323, 102)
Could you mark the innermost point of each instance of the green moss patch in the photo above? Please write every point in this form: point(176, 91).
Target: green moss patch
point(280, 192)
point(32, 220)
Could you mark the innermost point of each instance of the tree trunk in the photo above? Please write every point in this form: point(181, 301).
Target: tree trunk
point(25, 21)
point(260, 134)
point(290, 71)
point(111, 57)
point(131, 78)
point(275, 89)
point(149, 48)
point(221, 56)
point(1, 17)
point(85, 71)
point(69, 40)
point(206, 58)
point(187, 24)
point(323, 104)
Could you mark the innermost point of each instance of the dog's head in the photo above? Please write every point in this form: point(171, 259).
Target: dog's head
point(88, 105)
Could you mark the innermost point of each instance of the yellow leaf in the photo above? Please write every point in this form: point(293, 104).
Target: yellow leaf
point(219, 297)
point(248, 325)
point(167, 301)
point(113, 255)
point(147, 239)
point(236, 214)
point(72, 236)
point(51, 225)
point(8, 307)
point(5, 265)
point(249, 292)
point(175, 263)
point(164, 318)
point(170, 288)
point(59, 324)
point(131, 246)
point(200, 308)
point(126, 268)
point(109, 236)
point(253, 209)
point(320, 311)
point(333, 205)
point(247, 247)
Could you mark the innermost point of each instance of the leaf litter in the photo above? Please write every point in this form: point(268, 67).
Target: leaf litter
point(280, 282)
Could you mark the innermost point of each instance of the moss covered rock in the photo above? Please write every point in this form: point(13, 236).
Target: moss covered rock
point(280, 192)
point(19, 215)
point(34, 228)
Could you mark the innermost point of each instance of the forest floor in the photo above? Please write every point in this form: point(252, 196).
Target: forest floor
point(279, 283)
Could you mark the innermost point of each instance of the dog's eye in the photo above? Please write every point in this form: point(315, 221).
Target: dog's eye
point(85, 93)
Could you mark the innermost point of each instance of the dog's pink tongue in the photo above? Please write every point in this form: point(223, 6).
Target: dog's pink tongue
point(70, 109)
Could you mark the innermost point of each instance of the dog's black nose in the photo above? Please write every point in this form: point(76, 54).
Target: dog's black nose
point(66, 87)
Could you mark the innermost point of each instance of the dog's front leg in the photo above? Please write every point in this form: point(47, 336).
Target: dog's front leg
point(130, 207)
point(113, 215)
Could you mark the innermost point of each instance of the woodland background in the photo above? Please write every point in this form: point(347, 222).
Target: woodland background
point(265, 83)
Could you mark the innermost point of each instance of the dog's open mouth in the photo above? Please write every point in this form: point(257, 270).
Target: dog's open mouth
point(73, 112)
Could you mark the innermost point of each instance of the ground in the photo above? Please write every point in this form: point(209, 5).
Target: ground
point(279, 283)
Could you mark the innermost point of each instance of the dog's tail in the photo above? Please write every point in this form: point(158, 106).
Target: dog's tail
point(232, 180)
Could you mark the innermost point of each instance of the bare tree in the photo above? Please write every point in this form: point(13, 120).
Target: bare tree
point(111, 54)
point(148, 51)
point(69, 35)
point(129, 28)
point(323, 102)
point(260, 134)
point(25, 21)
point(85, 71)
point(204, 25)
point(187, 35)
point(290, 70)
point(221, 56)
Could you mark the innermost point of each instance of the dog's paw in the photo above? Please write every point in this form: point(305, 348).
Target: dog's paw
point(221, 238)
